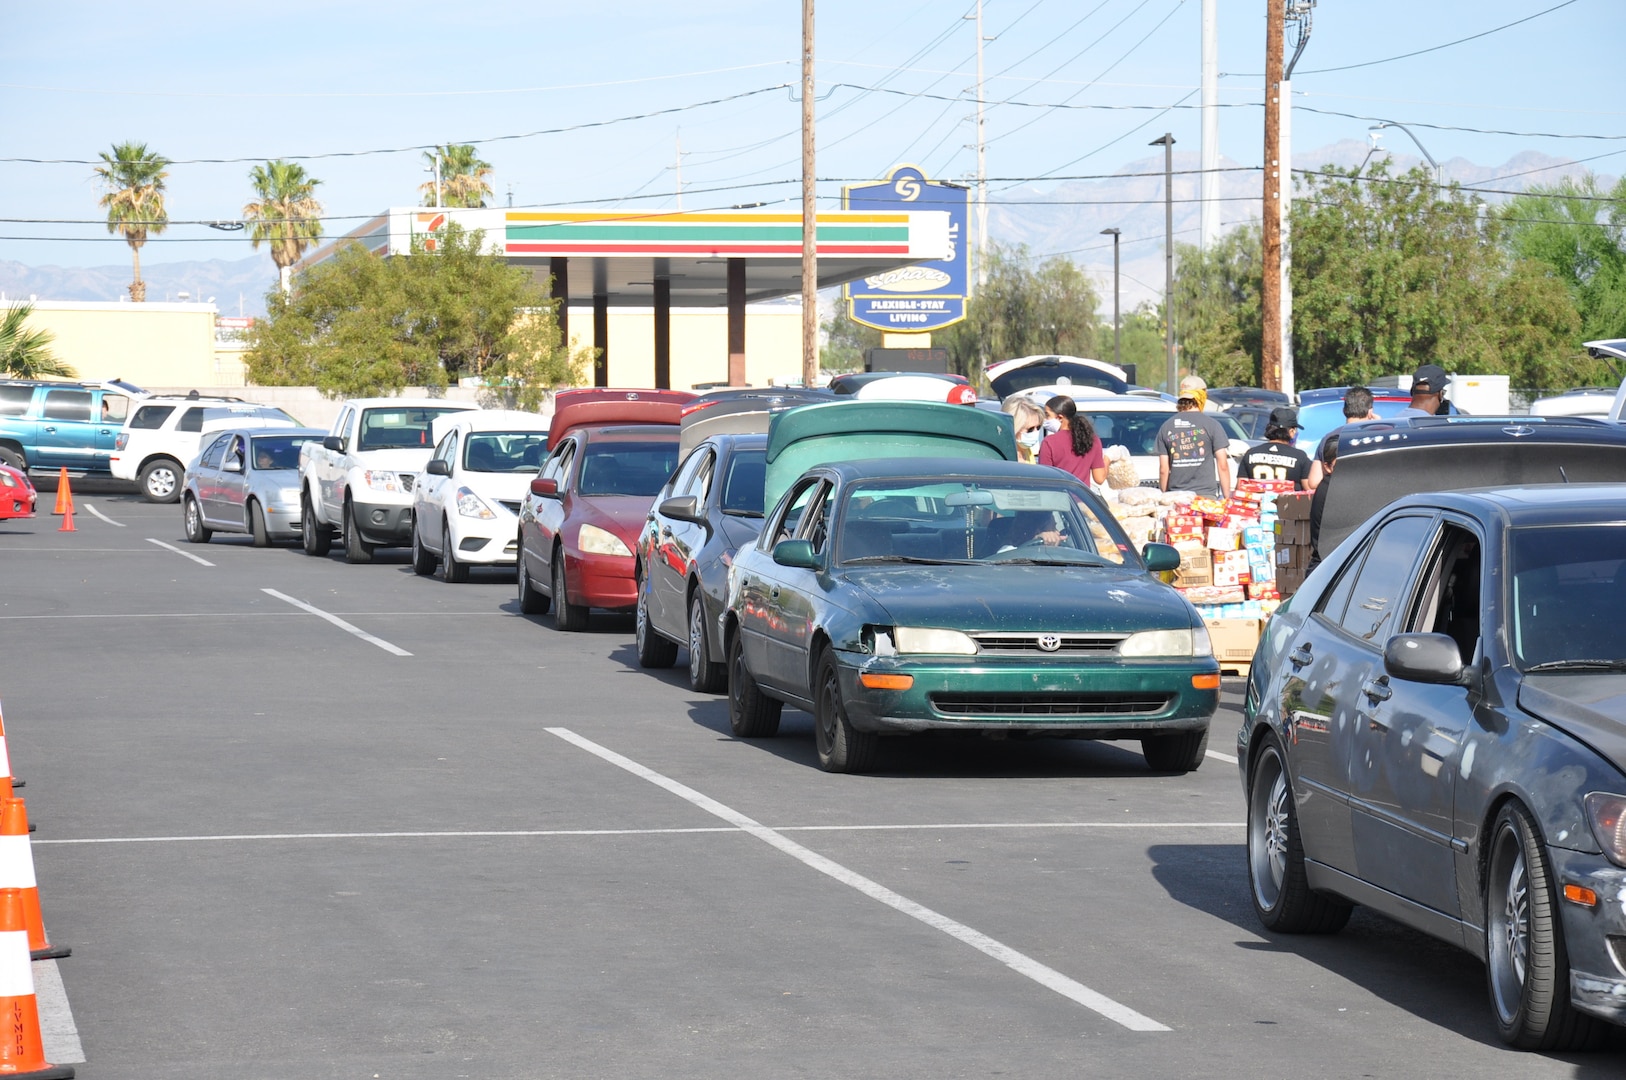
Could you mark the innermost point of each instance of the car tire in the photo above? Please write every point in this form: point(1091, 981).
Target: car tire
point(654, 651)
point(356, 549)
point(161, 479)
point(1526, 963)
point(192, 515)
point(1278, 883)
point(1176, 752)
point(532, 601)
point(751, 713)
point(314, 537)
point(453, 571)
point(842, 748)
point(568, 617)
point(256, 525)
point(423, 563)
point(705, 677)
point(8, 456)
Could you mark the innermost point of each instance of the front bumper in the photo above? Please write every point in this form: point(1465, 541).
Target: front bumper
point(1597, 965)
point(383, 525)
point(282, 521)
point(602, 581)
point(485, 541)
point(1094, 700)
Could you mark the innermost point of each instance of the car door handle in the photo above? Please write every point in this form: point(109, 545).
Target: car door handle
point(50, 431)
point(1300, 656)
point(773, 594)
point(1377, 690)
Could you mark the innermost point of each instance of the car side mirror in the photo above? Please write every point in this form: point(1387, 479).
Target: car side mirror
point(1160, 557)
point(681, 508)
point(797, 553)
point(334, 443)
point(546, 489)
point(438, 467)
point(233, 465)
point(1424, 658)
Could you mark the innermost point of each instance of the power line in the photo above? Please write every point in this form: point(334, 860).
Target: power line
point(1455, 127)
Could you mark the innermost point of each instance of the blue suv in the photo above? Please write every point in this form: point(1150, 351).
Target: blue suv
point(48, 426)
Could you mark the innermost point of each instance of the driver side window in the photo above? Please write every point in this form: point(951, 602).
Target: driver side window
point(1374, 612)
point(816, 521)
point(799, 500)
point(1448, 602)
point(217, 450)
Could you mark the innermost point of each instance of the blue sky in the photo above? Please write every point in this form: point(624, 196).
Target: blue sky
point(215, 80)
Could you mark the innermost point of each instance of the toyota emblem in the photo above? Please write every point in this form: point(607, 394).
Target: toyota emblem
point(1049, 642)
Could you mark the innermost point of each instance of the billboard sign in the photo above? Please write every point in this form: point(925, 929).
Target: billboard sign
point(926, 296)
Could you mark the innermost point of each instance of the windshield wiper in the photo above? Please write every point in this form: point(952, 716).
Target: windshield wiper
point(743, 513)
point(1579, 665)
point(1083, 560)
point(870, 559)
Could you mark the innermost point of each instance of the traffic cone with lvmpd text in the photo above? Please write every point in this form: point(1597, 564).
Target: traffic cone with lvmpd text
point(22, 1049)
point(64, 494)
point(17, 872)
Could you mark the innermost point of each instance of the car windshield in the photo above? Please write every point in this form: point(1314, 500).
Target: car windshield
point(625, 467)
point(743, 483)
point(397, 428)
point(958, 521)
point(1135, 430)
point(279, 451)
point(505, 451)
point(1569, 588)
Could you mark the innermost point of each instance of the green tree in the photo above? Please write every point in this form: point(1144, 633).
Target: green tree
point(1579, 233)
point(25, 353)
point(1216, 304)
point(1023, 310)
point(284, 213)
point(133, 178)
point(845, 342)
point(360, 324)
point(464, 178)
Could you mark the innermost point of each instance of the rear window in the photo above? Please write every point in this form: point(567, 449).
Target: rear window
point(279, 451)
point(628, 468)
point(149, 417)
point(14, 400)
point(398, 428)
point(191, 420)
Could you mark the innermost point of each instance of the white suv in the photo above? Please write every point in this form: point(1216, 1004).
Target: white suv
point(165, 432)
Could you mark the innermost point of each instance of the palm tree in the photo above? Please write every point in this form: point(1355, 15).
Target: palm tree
point(134, 177)
point(24, 353)
point(286, 214)
point(463, 176)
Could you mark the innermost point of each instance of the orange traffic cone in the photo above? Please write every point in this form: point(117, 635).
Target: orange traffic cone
point(17, 872)
point(67, 515)
point(7, 781)
point(64, 494)
point(22, 1050)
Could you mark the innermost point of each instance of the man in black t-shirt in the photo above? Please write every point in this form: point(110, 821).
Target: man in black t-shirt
point(1277, 458)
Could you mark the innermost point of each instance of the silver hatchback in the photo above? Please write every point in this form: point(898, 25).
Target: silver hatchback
point(246, 480)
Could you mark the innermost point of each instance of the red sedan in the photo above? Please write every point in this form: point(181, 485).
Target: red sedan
point(610, 452)
point(17, 494)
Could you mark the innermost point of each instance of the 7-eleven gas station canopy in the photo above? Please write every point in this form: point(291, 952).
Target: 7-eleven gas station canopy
point(661, 259)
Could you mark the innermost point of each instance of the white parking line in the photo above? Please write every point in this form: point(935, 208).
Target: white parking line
point(1222, 757)
point(178, 551)
point(1018, 962)
point(104, 517)
point(57, 1029)
point(340, 623)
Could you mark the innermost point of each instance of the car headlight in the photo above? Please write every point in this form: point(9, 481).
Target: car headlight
point(917, 639)
point(470, 505)
point(382, 480)
point(596, 541)
point(1186, 642)
point(1607, 815)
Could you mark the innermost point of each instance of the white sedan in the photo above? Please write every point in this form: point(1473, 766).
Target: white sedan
point(465, 504)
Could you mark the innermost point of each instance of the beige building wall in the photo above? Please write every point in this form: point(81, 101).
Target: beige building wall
point(147, 344)
point(773, 344)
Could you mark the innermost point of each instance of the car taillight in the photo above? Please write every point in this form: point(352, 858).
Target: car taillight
point(121, 440)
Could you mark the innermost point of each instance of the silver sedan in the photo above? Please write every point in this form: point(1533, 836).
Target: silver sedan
point(246, 481)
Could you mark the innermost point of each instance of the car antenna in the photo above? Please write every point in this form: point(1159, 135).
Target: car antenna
point(1563, 474)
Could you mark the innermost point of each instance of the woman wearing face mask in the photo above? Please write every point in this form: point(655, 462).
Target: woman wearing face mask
point(1074, 448)
point(1029, 428)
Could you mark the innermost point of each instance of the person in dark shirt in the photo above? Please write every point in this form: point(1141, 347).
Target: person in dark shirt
point(1328, 455)
point(1277, 458)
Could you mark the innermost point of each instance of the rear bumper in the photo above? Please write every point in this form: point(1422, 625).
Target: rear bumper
point(602, 581)
point(122, 466)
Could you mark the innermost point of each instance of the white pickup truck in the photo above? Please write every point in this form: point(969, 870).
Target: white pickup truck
point(357, 481)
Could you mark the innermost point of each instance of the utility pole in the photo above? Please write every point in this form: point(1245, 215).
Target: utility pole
point(1210, 231)
point(1296, 16)
point(810, 223)
point(1117, 326)
point(1270, 285)
point(982, 166)
point(1167, 143)
point(680, 169)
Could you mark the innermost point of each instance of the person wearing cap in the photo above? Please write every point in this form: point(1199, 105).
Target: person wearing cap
point(1277, 458)
point(1428, 392)
point(1193, 450)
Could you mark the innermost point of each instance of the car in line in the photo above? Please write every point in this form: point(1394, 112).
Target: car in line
point(851, 382)
point(1435, 729)
point(246, 480)
point(50, 425)
point(167, 430)
point(465, 505)
point(609, 453)
point(17, 494)
point(1009, 377)
point(900, 597)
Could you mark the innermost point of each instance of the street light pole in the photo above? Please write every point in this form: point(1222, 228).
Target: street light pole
point(1167, 143)
point(1270, 246)
point(1117, 328)
point(810, 218)
point(1439, 174)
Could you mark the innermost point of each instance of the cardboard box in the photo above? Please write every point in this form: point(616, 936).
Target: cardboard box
point(1196, 570)
point(1220, 539)
point(1231, 568)
point(1293, 506)
point(1234, 640)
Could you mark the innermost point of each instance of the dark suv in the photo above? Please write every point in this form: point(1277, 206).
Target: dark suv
point(48, 426)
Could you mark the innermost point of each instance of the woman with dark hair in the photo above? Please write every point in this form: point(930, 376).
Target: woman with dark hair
point(1074, 448)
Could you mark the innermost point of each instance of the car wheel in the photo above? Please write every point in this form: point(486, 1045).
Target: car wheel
point(160, 480)
point(315, 537)
point(1526, 962)
point(8, 456)
point(705, 677)
point(423, 563)
point(356, 550)
point(842, 748)
point(1281, 891)
point(531, 600)
point(1177, 752)
point(654, 651)
point(452, 570)
point(256, 525)
point(751, 713)
point(196, 530)
point(566, 616)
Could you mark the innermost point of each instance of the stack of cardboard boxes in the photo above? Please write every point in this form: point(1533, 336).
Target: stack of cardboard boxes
point(1292, 541)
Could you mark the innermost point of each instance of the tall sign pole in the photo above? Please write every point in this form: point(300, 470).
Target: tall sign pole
point(1270, 286)
point(1171, 371)
point(810, 224)
point(982, 167)
point(1210, 219)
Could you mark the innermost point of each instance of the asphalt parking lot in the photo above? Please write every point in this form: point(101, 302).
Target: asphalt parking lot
point(434, 838)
